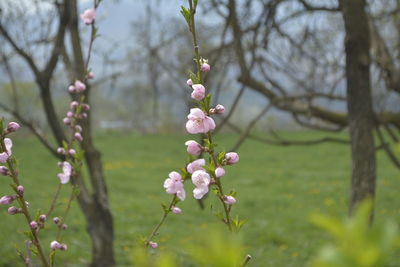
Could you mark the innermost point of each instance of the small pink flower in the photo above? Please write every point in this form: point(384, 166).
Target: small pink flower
point(88, 16)
point(61, 151)
point(67, 121)
point(7, 200)
point(153, 244)
point(189, 82)
point(78, 137)
point(74, 104)
point(205, 67)
point(6, 154)
point(201, 180)
point(90, 75)
point(219, 172)
point(13, 210)
point(80, 86)
point(4, 171)
point(199, 92)
point(176, 210)
point(78, 128)
point(230, 200)
point(72, 89)
point(43, 217)
point(70, 114)
point(56, 220)
point(198, 122)
point(219, 109)
point(86, 107)
point(20, 189)
point(72, 152)
point(193, 147)
point(64, 226)
point(12, 127)
point(231, 158)
point(55, 245)
point(33, 224)
point(66, 174)
point(63, 247)
point(174, 185)
point(196, 165)
point(84, 115)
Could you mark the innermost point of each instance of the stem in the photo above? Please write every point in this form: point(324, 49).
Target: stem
point(246, 260)
point(192, 29)
point(64, 218)
point(24, 207)
point(54, 201)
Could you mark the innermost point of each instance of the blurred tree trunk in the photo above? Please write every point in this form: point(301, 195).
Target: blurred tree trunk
point(359, 101)
point(96, 208)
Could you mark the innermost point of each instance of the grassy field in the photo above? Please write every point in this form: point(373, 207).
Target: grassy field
point(279, 187)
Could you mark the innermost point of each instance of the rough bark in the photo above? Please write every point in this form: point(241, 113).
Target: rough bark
point(359, 101)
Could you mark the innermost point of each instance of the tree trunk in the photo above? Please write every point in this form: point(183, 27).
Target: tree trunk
point(359, 101)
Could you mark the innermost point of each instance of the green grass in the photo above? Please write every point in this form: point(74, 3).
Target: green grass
point(278, 188)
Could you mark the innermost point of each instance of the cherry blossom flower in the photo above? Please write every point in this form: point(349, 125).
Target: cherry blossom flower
point(174, 185)
point(199, 92)
point(231, 158)
point(219, 172)
point(12, 127)
point(196, 165)
point(201, 180)
point(230, 200)
point(65, 176)
point(199, 122)
point(6, 154)
point(153, 244)
point(205, 67)
point(176, 210)
point(193, 147)
point(88, 16)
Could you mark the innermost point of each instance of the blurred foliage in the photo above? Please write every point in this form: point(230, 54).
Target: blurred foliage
point(356, 243)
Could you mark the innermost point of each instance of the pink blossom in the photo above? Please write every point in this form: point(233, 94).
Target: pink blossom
point(56, 220)
point(20, 189)
point(78, 128)
point(205, 67)
point(196, 165)
point(74, 104)
point(230, 200)
point(176, 210)
point(70, 114)
point(231, 158)
point(90, 75)
point(88, 16)
point(219, 109)
point(189, 82)
point(61, 151)
point(12, 127)
point(6, 154)
point(174, 185)
point(199, 92)
point(201, 180)
point(7, 200)
point(4, 171)
point(78, 137)
point(67, 121)
point(72, 152)
point(219, 172)
point(80, 86)
point(66, 174)
point(72, 89)
point(33, 224)
point(86, 107)
point(153, 244)
point(43, 217)
point(55, 245)
point(198, 122)
point(13, 210)
point(193, 147)
point(64, 226)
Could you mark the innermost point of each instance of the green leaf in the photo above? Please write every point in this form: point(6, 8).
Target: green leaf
point(186, 14)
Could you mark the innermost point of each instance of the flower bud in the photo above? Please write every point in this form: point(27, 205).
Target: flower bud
point(88, 16)
point(219, 109)
point(189, 82)
point(176, 210)
point(231, 158)
point(33, 224)
point(74, 105)
point(64, 226)
point(67, 121)
point(90, 75)
point(230, 200)
point(61, 151)
point(199, 92)
point(78, 128)
point(78, 137)
point(4, 171)
point(205, 67)
point(14, 210)
point(86, 107)
point(55, 245)
point(70, 114)
point(153, 244)
point(72, 152)
point(7, 200)
point(193, 147)
point(20, 189)
point(63, 247)
point(56, 220)
point(12, 127)
point(72, 89)
point(43, 217)
point(84, 115)
point(80, 86)
point(219, 172)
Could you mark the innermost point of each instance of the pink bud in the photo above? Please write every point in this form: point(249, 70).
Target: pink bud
point(153, 244)
point(189, 82)
point(67, 121)
point(193, 147)
point(230, 200)
point(12, 127)
point(205, 67)
point(72, 152)
point(90, 75)
point(56, 220)
point(70, 114)
point(20, 189)
point(84, 115)
point(34, 225)
point(64, 226)
point(4, 171)
point(80, 86)
point(231, 158)
point(55, 245)
point(176, 210)
point(88, 16)
point(13, 210)
point(86, 107)
point(199, 92)
point(74, 104)
point(7, 200)
point(43, 217)
point(78, 137)
point(63, 247)
point(219, 172)
point(72, 89)
point(219, 109)
point(78, 128)
point(61, 151)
